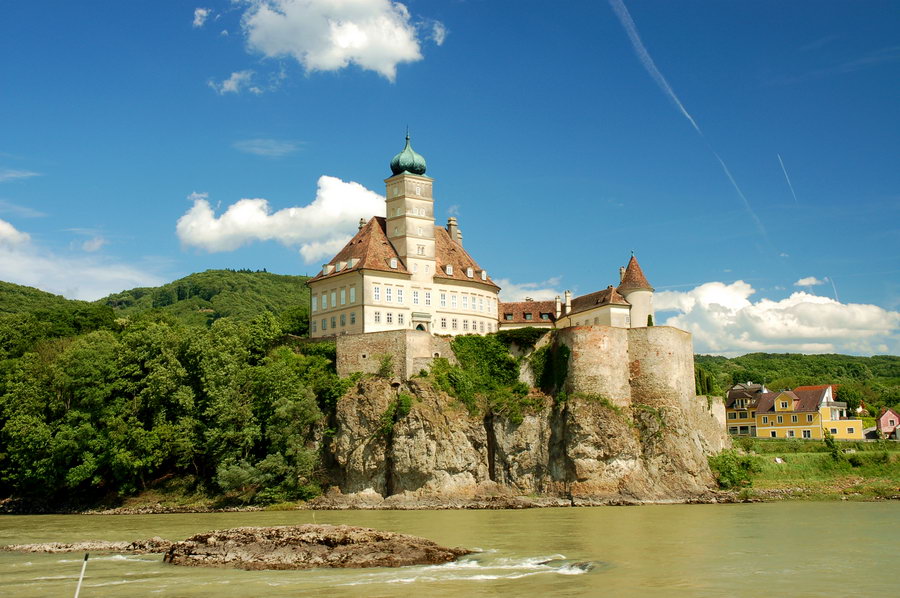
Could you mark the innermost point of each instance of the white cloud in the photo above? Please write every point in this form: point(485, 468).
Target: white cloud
point(319, 229)
point(76, 277)
point(10, 236)
point(325, 35)
point(539, 291)
point(238, 81)
point(725, 321)
point(270, 148)
point(94, 244)
point(8, 174)
point(809, 281)
point(200, 16)
point(438, 33)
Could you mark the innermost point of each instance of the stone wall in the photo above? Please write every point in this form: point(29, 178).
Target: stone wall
point(597, 362)
point(411, 351)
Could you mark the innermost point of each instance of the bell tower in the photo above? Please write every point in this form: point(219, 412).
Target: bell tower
point(410, 213)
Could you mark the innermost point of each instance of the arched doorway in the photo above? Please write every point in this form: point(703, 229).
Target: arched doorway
point(421, 327)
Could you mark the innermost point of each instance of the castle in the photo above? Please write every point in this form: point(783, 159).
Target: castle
point(401, 272)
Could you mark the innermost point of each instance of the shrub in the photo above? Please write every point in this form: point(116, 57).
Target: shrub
point(732, 470)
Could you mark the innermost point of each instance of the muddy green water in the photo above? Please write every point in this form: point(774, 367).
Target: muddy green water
point(779, 549)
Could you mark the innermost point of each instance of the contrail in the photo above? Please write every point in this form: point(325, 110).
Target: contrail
point(631, 29)
point(787, 178)
point(834, 288)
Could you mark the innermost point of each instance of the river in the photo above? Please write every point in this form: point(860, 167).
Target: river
point(774, 549)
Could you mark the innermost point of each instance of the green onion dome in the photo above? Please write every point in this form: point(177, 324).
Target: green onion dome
point(408, 161)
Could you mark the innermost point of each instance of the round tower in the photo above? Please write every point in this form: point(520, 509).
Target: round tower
point(638, 292)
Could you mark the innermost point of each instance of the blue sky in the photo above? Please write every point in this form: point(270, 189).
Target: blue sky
point(747, 152)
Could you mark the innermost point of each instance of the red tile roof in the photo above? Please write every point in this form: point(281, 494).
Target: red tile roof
point(801, 401)
point(518, 310)
point(449, 252)
point(370, 246)
point(608, 296)
point(634, 278)
point(834, 388)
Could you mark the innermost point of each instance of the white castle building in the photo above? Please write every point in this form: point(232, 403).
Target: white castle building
point(401, 272)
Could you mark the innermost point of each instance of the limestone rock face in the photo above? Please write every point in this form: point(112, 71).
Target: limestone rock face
point(307, 547)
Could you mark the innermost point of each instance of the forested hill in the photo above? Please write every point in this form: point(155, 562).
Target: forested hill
point(872, 380)
point(16, 299)
point(207, 296)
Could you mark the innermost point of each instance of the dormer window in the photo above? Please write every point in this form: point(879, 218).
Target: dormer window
point(341, 266)
point(484, 275)
point(470, 272)
point(449, 270)
point(393, 262)
point(528, 316)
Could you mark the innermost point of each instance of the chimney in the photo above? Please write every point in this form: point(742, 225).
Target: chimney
point(558, 307)
point(452, 228)
point(459, 236)
point(362, 223)
point(568, 303)
point(621, 274)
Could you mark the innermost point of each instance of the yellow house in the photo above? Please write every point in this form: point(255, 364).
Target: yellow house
point(805, 414)
point(740, 408)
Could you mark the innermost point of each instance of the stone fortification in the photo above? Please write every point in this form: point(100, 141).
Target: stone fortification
point(630, 429)
point(411, 351)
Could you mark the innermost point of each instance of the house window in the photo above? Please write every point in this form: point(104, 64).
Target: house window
point(427, 297)
point(400, 318)
point(388, 294)
point(790, 433)
point(378, 317)
point(773, 434)
point(343, 296)
point(765, 419)
point(333, 322)
point(470, 272)
point(528, 316)
point(415, 295)
point(443, 322)
point(324, 300)
point(508, 317)
point(732, 415)
point(784, 405)
point(324, 324)
point(807, 434)
point(352, 318)
point(443, 299)
point(733, 430)
point(752, 414)
point(742, 415)
point(809, 417)
point(793, 419)
point(376, 293)
point(352, 294)
point(892, 422)
point(389, 318)
point(850, 430)
point(780, 419)
point(449, 270)
point(453, 324)
point(833, 431)
point(399, 295)
point(315, 303)
point(343, 320)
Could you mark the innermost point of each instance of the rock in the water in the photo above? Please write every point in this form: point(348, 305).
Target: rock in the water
point(307, 547)
point(149, 545)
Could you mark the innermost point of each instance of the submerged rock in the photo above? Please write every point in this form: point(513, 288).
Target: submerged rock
point(307, 547)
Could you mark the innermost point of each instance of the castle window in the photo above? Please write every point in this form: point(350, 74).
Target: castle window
point(545, 316)
point(376, 293)
point(333, 322)
point(324, 324)
point(465, 299)
point(324, 300)
point(427, 297)
point(481, 327)
point(315, 303)
point(415, 267)
point(333, 299)
point(443, 299)
point(418, 190)
point(393, 262)
point(508, 317)
point(469, 272)
point(343, 296)
point(352, 294)
point(420, 250)
point(400, 318)
point(453, 301)
point(388, 294)
point(528, 316)
point(453, 323)
point(419, 231)
point(443, 322)
point(389, 318)
point(343, 320)
point(378, 317)
point(465, 324)
point(481, 304)
point(484, 275)
point(312, 326)
point(352, 318)
point(399, 295)
point(415, 295)
point(449, 270)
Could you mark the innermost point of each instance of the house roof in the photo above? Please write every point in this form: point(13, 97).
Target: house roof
point(801, 400)
point(608, 296)
point(744, 391)
point(834, 388)
point(518, 310)
point(370, 247)
point(751, 400)
point(450, 252)
point(634, 278)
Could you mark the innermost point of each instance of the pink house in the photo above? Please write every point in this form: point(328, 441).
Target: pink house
point(887, 422)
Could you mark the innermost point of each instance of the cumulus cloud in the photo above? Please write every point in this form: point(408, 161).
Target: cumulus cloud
point(269, 148)
point(539, 291)
point(724, 320)
point(9, 174)
point(76, 277)
point(200, 16)
point(809, 281)
point(323, 35)
point(319, 229)
point(10, 236)
point(237, 82)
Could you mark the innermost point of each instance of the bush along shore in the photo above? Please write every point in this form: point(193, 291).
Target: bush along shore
point(761, 469)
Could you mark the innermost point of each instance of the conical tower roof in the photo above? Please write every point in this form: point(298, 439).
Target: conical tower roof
point(634, 279)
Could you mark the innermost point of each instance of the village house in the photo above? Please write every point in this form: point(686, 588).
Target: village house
point(740, 408)
point(887, 423)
